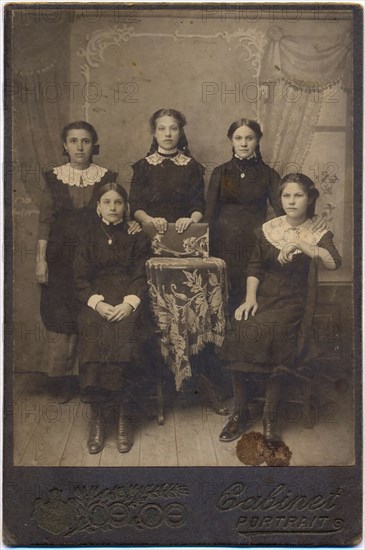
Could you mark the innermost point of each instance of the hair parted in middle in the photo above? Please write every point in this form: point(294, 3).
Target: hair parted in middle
point(253, 125)
point(182, 144)
point(111, 186)
point(81, 125)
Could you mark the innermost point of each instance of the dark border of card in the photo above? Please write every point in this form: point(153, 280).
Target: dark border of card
point(186, 520)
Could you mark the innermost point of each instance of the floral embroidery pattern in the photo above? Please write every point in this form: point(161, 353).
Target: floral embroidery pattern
point(189, 306)
point(193, 246)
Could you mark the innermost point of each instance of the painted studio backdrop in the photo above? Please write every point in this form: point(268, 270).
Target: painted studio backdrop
point(290, 71)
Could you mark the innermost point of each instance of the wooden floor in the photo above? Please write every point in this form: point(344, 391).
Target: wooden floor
point(49, 434)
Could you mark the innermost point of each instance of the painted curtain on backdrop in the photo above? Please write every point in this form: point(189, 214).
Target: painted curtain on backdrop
point(295, 72)
point(40, 109)
point(41, 94)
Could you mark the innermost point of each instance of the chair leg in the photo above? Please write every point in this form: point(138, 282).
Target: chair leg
point(159, 392)
point(158, 366)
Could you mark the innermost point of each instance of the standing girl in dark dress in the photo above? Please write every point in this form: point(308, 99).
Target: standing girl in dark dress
point(167, 185)
point(67, 199)
point(111, 281)
point(237, 202)
point(66, 204)
point(268, 325)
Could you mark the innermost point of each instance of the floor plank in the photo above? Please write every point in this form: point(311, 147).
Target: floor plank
point(48, 441)
point(75, 452)
point(24, 428)
point(342, 439)
point(158, 443)
point(194, 442)
point(225, 452)
point(30, 402)
point(49, 434)
point(307, 448)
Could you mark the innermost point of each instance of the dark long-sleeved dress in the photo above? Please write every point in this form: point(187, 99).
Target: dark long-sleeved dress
point(66, 205)
point(271, 337)
point(167, 186)
point(113, 271)
point(236, 205)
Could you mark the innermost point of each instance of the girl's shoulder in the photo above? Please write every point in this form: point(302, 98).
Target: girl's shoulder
point(140, 162)
point(192, 164)
point(53, 172)
point(267, 169)
point(228, 166)
point(140, 242)
point(140, 166)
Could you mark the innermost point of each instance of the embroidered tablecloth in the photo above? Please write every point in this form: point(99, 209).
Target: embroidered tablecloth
point(189, 299)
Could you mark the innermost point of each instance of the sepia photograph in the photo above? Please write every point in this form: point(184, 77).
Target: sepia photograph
point(182, 273)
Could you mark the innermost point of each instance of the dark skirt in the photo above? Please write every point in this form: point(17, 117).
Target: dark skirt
point(100, 381)
point(59, 303)
point(233, 239)
point(275, 335)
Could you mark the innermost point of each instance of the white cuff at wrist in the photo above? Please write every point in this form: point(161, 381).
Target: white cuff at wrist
point(94, 300)
point(132, 300)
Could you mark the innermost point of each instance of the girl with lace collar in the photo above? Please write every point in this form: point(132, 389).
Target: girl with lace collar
point(67, 200)
point(273, 320)
point(167, 185)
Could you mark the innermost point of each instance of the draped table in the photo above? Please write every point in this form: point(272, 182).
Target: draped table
point(189, 298)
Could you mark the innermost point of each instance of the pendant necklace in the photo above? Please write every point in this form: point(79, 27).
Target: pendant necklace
point(242, 175)
point(110, 239)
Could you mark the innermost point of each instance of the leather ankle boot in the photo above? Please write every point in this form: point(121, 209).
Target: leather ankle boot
point(233, 429)
point(95, 443)
point(125, 432)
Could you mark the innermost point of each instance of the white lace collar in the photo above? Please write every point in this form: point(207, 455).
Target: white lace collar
point(180, 159)
point(279, 233)
point(72, 176)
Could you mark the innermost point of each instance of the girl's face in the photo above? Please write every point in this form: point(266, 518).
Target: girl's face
point(167, 132)
point(79, 147)
point(244, 141)
point(295, 202)
point(111, 206)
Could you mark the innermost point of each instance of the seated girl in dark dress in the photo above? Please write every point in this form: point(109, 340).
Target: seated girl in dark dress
point(110, 278)
point(266, 328)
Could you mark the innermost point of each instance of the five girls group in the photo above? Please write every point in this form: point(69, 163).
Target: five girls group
point(92, 253)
